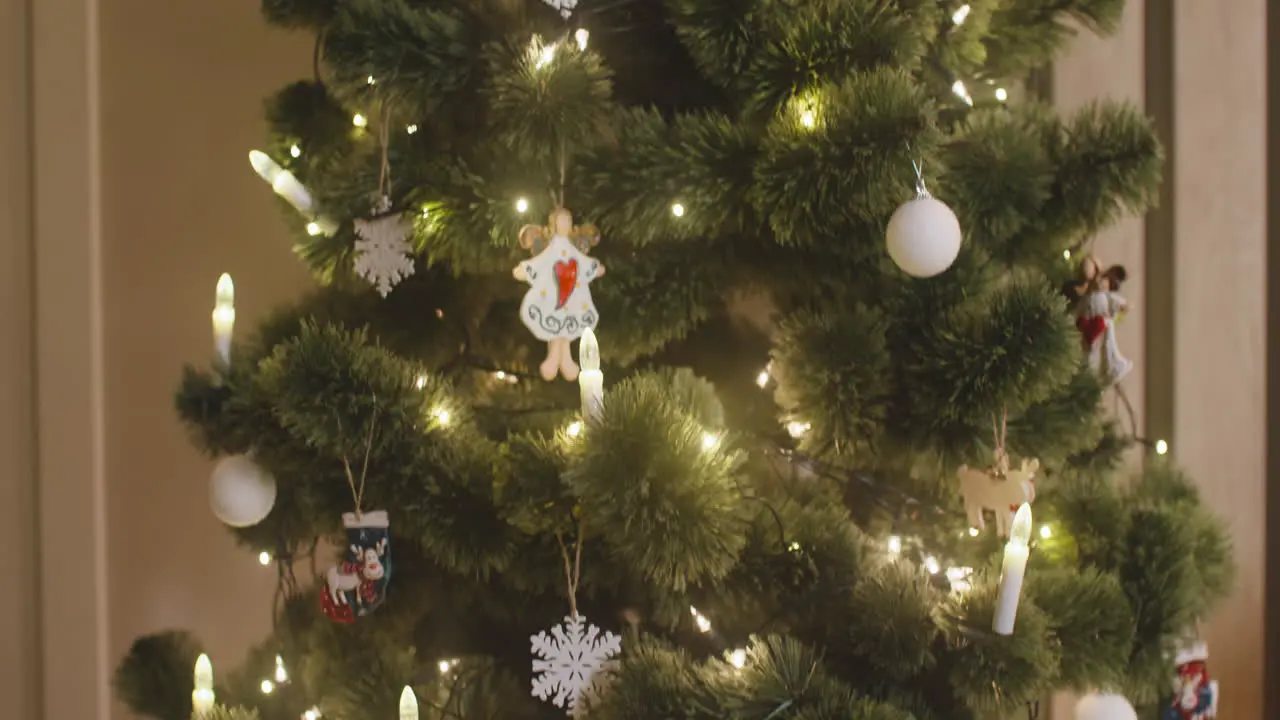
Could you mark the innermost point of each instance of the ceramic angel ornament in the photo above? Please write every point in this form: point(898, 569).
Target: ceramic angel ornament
point(1099, 307)
point(558, 306)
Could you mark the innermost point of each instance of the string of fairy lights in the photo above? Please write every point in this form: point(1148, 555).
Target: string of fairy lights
point(541, 55)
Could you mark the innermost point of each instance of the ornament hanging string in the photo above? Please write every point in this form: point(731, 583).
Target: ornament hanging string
point(573, 568)
point(384, 140)
point(922, 191)
point(1000, 429)
point(357, 487)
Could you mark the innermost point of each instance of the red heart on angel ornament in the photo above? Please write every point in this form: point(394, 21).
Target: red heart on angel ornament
point(567, 279)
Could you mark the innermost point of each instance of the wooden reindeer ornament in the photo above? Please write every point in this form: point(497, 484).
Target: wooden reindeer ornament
point(998, 488)
point(558, 306)
point(1002, 494)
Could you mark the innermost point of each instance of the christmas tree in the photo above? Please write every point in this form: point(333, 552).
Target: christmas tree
point(765, 466)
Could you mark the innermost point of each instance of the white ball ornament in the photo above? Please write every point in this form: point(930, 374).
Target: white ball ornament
point(923, 236)
point(1104, 706)
point(241, 492)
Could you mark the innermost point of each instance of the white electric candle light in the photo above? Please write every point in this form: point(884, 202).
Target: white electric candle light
point(202, 697)
point(224, 317)
point(408, 704)
point(282, 181)
point(591, 379)
point(582, 36)
point(1016, 552)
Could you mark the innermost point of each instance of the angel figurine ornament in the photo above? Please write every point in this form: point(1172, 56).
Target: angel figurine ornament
point(558, 306)
point(1099, 306)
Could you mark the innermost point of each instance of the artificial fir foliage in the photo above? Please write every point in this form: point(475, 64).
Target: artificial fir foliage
point(766, 509)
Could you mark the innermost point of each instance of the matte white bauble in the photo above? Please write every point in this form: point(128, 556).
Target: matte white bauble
point(923, 237)
point(1104, 706)
point(241, 492)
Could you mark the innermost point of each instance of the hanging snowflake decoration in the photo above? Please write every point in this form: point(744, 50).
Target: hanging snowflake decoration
point(564, 6)
point(384, 256)
point(571, 662)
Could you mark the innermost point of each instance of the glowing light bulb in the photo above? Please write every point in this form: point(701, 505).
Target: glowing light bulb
point(371, 80)
point(522, 205)
point(1066, 254)
point(709, 441)
point(282, 676)
point(589, 351)
point(313, 229)
point(442, 415)
point(931, 564)
point(973, 532)
point(264, 558)
point(295, 151)
point(1001, 94)
point(444, 666)
point(426, 212)
point(763, 378)
point(961, 92)
point(794, 546)
point(895, 544)
point(808, 119)
point(591, 378)
point(797, 429)
point(224, 317)
point(312, 714)
point(359, 120)
point(704, 625)
point(574, 429)
point(411, 129)
point(677, 209)
point(582, 36)
point(546, 56)
point(500, 375)
point(408, 704)
point(959, 579)
point(421, 382)
point(267, 687)
point(1045, 532)
point(961, 14)
point(202, 697)
point(1162, 447)
point(738, 658)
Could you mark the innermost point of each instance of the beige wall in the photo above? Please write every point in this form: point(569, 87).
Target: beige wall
point(106, 281)
point(108, 255)
point(183, 84)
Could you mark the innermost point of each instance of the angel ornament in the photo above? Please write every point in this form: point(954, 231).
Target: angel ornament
point(1097, 310)
point(558, 306)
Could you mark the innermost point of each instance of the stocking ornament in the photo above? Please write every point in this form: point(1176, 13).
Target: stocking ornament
point(558, 306)
point(357, 585)
point(1195, 696)
point(1099, 306)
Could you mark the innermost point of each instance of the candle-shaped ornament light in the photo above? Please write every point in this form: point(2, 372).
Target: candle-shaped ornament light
point(282, 181)
point(294, 192)
point(591, 379)
point(224, 317)
point(1016, 552)
point(202, 697)
point(408, 704)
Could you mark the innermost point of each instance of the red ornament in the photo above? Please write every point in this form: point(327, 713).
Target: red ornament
point(1195, 696)
point(567, 279)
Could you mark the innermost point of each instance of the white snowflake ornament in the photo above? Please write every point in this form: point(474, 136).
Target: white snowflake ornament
point(564, 6)
point(384, 256)
point(571, 663)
